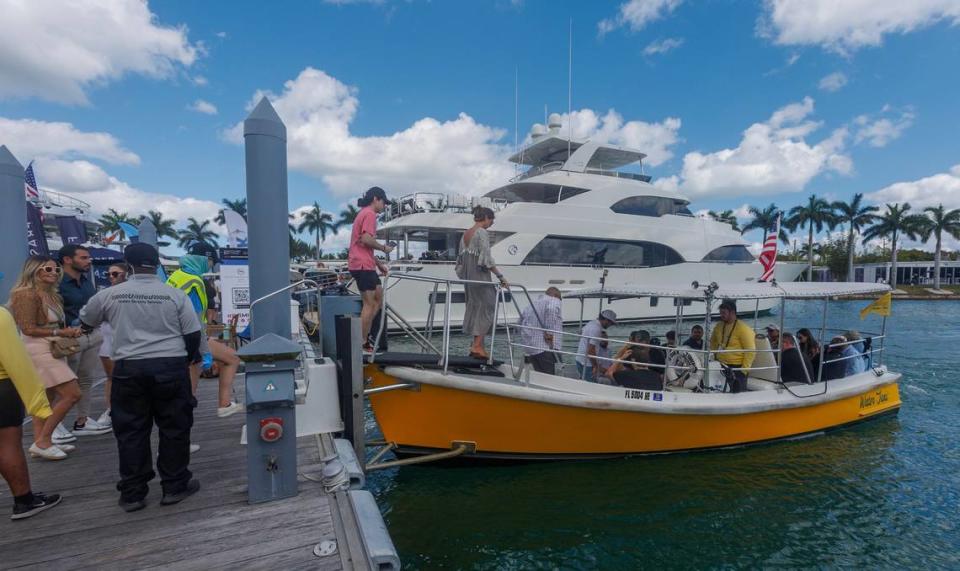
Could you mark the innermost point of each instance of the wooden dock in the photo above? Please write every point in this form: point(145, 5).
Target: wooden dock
point(216, 528)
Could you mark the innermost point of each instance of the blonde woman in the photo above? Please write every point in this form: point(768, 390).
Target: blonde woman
point(38, 311)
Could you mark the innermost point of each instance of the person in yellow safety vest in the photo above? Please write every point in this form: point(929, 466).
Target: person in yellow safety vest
point(730, 334)
point(189, 279)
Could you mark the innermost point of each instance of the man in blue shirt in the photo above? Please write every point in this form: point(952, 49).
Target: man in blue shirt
point(76, 289)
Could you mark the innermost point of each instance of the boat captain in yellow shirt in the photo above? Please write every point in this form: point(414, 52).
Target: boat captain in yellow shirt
point(21, 392)
point(731, 334)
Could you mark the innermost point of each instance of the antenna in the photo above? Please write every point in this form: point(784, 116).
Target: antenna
point(570, 91)
point(516, 114)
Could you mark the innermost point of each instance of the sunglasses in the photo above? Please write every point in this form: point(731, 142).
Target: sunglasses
point(51, 269)
point(116, 274)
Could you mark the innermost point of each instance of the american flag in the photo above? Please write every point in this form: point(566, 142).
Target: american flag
point(30, 183)
point(768, 256)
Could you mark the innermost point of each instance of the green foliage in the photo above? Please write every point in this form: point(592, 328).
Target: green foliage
point(727, 217)
point(197, 231)
point(239, 206)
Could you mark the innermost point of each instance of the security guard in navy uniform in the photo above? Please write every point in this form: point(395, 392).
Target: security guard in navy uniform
point(156, 335)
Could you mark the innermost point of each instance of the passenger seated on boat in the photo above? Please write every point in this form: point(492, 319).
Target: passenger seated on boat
point(860, 345)
point(773, 336)
point(695, 341)
point(671, 339)
point(637, 356)
point(833, 365)
point(658, 357)
point(796, 366)
point(809, 346)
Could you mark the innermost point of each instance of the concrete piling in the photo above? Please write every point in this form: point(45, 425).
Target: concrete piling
point(13, 221)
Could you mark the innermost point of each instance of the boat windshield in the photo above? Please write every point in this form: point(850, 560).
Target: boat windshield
point(535, 192)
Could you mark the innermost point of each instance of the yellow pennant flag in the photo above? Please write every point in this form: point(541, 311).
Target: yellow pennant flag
point(881, 306)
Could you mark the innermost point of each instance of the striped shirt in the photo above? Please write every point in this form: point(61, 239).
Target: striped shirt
point(549, 310)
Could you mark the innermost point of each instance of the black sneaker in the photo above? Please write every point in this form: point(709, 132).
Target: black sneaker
point(41, 502)
point(169, 499)
point(133, 506)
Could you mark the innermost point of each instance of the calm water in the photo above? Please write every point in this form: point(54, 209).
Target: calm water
point(883, 494)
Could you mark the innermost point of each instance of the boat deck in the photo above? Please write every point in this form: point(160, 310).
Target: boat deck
point(216, 528)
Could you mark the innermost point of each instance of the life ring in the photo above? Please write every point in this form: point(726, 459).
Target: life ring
point(683, 367)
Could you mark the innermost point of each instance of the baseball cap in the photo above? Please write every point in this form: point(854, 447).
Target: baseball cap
point(141, 254)
point(374, 192)
point(609, 315)
point(772, 327)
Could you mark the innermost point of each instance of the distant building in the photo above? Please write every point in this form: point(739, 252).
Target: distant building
point(908, 273)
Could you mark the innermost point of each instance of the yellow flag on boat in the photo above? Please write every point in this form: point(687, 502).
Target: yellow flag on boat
point(881, 306)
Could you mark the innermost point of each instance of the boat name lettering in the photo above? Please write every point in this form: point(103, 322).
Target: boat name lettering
point(643, 395)
point(866, 401)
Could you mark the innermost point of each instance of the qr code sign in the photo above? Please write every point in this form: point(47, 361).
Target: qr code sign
point(241, 297)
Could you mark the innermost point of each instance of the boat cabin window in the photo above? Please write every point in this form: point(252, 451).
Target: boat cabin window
point(434, 245)
point(568, 250)
point(733, 253)
point(651, 206)
point(536, 192)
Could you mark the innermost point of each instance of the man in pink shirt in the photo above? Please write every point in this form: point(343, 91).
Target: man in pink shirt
point(362, 264)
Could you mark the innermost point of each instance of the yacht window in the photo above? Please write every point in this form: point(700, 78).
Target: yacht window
point(729, 254)
point(571, 251)
point(651, 206)
point(536, 192)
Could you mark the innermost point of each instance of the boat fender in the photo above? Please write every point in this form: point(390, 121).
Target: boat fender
point(683, 368)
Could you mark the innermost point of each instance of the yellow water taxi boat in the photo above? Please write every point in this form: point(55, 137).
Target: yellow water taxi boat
point(430, 402)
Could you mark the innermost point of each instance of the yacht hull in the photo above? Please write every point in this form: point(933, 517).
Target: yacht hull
point(412, 298)
point(542, 421)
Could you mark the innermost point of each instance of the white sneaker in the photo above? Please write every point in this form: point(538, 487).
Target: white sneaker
point(194, 447)
point(52, 453)
point(105, 420)
point(68, 448)
point(62, 436)
point(90, 428)
point(232, 408)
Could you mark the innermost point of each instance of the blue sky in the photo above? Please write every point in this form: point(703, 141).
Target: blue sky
point(420, 95)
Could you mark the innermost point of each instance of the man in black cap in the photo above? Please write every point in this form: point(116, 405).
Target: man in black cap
point(156, 335)
point(361, 262)
point(738, 343)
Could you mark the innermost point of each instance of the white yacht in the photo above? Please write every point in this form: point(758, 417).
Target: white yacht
point(573, 219)
point(54, 205)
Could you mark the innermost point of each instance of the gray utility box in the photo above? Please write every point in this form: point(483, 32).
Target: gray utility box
point(271, 363)
point(330, 307)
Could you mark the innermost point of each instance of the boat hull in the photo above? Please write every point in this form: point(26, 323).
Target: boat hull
point(433, 417)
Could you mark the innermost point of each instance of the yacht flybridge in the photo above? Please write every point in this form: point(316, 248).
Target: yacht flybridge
point(582, 214)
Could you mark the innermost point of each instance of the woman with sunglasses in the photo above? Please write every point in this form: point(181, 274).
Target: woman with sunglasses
point(117, 274)
point(38, 310)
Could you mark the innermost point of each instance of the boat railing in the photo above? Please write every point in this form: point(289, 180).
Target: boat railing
point(421, 202)
point(534, 171)
point(52, 198)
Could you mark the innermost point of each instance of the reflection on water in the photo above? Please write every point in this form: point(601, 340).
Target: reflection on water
point(881, 494)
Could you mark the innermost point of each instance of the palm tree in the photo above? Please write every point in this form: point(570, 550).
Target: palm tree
point(858, 217)
point(942, 221)
point(765, 219)
point(110, 222)
point(894, 223)
point(239, 206)
point(315, 220)
point(727, 217)
point(197, 232)
point(163, 225)
point(814, 215)
point(347, 216)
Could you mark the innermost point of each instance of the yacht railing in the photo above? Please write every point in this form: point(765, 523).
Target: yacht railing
point(52, 198)
point(420, 202)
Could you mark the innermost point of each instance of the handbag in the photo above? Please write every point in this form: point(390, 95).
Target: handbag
point(61, 347)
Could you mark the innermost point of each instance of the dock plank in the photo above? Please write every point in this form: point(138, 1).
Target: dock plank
point(214, 529)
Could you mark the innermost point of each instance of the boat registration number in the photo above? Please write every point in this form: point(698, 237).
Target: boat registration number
point(643, 395)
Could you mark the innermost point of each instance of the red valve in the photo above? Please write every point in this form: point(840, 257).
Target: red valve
point(271, 429)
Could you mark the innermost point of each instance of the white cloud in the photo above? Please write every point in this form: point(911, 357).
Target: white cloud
point(636, 14)
point(773, 156)
point(878, 131)
point(30, 139)
point(928, 191)
point(222, 35)
point(451, 156)
point(63, 163)
point(199, 80)
point(850, 24)
point(201, 106)
point(662, 46)
point(833, 82)
point(57, 50)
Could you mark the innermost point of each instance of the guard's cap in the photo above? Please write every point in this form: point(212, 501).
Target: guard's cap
point(141, 254)
point(374, 192)
point(609, 315)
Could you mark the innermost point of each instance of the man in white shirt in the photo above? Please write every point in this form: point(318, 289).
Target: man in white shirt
point(588, 355)
point(542, 326)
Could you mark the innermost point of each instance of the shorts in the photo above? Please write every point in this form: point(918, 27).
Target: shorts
point(12, 410)
point(367, 280)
